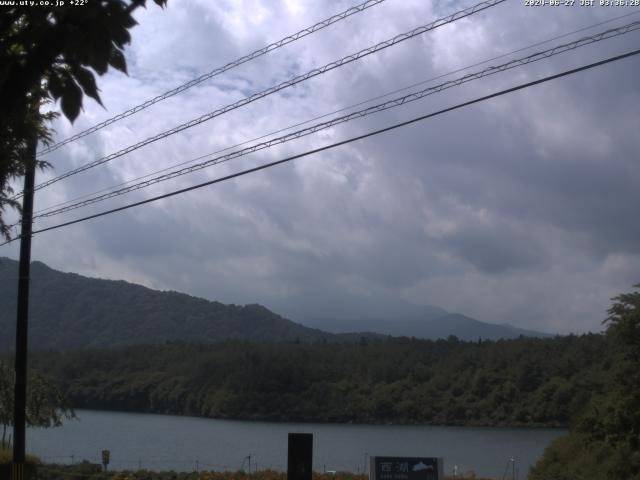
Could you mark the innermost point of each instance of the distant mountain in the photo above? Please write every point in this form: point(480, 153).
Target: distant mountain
point(432, 323)
point(69, 311)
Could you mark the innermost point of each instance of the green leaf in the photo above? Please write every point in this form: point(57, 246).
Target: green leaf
point(55, 85)
point(118, 61)
point(102, 49)
point(121, 37)
point(71, 102)
point(117, 19)
point(87, 81)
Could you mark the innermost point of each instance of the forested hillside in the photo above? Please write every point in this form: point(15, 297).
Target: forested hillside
point(71, 311)
point(511, 382)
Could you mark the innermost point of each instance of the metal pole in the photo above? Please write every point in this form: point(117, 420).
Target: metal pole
point(20, 395)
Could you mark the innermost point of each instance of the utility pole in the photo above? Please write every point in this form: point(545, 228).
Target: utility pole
point(20, 393)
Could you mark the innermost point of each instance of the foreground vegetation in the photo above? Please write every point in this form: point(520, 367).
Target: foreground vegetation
point(89, 471)
point(604, 440)
point(523, 382)
point(46, 405)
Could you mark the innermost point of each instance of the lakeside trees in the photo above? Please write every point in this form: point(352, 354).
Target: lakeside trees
point(525, 381)
point(46, 404)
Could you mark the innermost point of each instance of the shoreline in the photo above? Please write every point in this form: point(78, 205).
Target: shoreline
point(478, 425)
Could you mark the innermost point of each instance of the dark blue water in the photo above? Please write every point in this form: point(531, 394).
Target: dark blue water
point(165, 442)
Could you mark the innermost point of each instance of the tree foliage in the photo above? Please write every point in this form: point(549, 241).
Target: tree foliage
point(46, 405)
point(69, 311)
point(608, 428)
point(52, 53)
point(512, 382)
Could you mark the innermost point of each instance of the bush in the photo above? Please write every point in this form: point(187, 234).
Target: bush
point(576, 456)
point(6, 458)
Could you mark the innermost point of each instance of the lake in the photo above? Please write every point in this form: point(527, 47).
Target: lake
point(167, 442)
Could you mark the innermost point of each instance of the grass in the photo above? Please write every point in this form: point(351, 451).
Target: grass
point(89, 471)
point(6, 457)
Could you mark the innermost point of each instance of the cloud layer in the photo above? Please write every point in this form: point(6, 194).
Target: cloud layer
point(519, 210)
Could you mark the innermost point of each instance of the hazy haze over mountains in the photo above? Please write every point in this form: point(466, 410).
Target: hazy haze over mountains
point(71, 311)
point(395, 317)
point(425, 326)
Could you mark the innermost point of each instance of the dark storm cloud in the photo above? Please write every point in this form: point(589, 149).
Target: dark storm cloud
point(516, 210)
point(495, 248)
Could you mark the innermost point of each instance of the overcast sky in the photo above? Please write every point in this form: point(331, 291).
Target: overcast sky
point(520, 210)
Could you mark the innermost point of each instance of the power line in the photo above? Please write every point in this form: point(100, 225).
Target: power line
point(363, 102)
point(217, 71)
point(337, 144)
point(300, 78)
point(608, 34)
point(289, 83)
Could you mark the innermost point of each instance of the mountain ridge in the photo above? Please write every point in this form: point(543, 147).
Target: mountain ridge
point(434, 326)
point(70, 311)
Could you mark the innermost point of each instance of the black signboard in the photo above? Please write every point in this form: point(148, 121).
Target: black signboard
point(299, 462)
point(406, 468)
